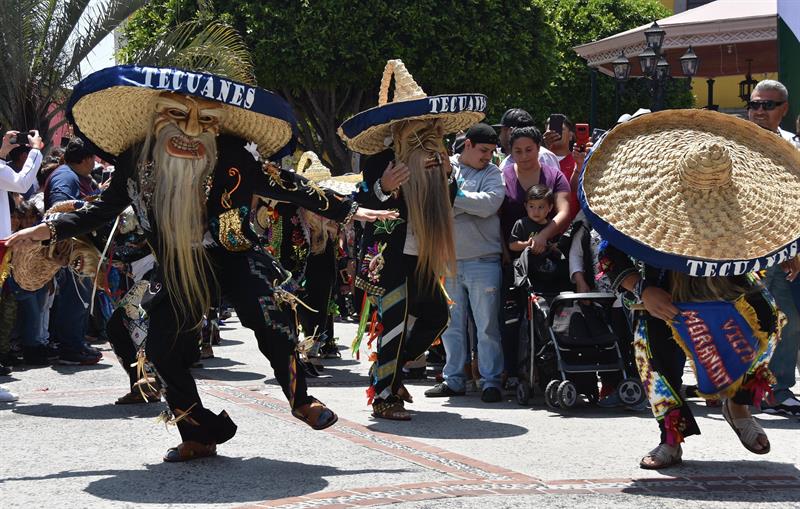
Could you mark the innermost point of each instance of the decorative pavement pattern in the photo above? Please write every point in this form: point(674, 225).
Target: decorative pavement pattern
point(470, 477)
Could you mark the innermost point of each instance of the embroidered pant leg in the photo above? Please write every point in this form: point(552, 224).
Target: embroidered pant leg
point(317, 289)
point(172, 350)
point(392, 311)
point(428, 314)
point(246, 281)
point(661, 361)
point(122, 344)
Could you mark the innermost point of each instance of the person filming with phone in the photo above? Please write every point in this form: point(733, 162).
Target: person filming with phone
point(558, 138)
point(13, 181)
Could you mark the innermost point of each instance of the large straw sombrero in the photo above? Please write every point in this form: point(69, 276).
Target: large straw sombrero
point(369, 131)
point(695, 191)
point(312, 168)
point(113, 107)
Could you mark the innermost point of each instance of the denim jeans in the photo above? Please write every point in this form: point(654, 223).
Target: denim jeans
point(71, 310)
point(30, 306)
point(784, 359)
point(477, 285)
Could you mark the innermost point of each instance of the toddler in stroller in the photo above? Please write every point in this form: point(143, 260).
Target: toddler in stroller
point(569, 338)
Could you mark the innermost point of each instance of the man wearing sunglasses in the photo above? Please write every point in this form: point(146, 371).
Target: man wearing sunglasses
point(768, 104)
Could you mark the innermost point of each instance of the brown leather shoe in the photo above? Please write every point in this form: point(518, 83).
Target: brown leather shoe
point(190, 450)
point(316, 415)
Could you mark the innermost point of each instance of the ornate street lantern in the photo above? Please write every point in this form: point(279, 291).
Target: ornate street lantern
point(689, 63)
point(654, 37)
point(747, 84)
point(662, 68)
point(622, 67)
point(647, 60)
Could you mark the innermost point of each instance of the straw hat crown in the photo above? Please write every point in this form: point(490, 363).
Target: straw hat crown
point(312, 168)
point(706, 166)
point(369, 132)
point(405, 88)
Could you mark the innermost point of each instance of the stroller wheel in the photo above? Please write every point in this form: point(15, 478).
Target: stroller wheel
point(523, 392)
point(567, 394)
point(631, 392)
point(551, 393)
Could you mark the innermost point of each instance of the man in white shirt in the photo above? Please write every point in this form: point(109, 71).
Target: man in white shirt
point(11, 181)
point(20, 182)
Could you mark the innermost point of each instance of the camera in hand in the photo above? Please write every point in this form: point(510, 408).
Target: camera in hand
point(20, 138)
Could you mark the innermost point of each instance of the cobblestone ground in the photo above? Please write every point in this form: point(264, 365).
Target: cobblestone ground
point(65, 444)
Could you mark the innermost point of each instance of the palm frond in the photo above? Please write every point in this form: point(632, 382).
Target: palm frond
point(214, 47)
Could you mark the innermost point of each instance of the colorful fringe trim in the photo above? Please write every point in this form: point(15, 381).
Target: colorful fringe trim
point(674, 425)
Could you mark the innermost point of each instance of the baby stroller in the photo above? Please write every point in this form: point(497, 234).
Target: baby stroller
point(570, 341)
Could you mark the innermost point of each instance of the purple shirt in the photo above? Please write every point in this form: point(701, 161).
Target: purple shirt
point(514, 204)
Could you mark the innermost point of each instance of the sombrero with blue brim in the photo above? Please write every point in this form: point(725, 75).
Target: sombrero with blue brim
point(113, 108)
point(695, 191)
point(369, 132)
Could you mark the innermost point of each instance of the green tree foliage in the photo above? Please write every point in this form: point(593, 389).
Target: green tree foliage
point(326, 57)
point(583, 21)
point(202, 43)
point(41, 48)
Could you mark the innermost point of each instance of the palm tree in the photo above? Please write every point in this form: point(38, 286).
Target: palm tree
point(42, 45)
point(202, 43)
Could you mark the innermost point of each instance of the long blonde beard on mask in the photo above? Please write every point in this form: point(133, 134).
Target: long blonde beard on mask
point(179, 209)
point(427, 198)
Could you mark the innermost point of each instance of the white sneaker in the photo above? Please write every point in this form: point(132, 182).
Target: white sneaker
point(7, 396)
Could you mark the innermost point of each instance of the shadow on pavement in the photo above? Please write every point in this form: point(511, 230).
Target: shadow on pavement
point(220, 362)
point(107, 411)
point(446, 425)
point(225, 375)
point(724, 480)
point(71, 370)
point(207, 481)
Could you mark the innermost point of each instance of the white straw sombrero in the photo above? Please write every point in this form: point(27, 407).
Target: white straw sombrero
point(312, 168)
point(113, 107)
point(369, 131)
point(695, 191)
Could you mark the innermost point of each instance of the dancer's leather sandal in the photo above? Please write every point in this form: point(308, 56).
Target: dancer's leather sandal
point(390, 409)
point(663, 457)
point(747, 429)
point(190, 450)
point(316, 415)
point(403, 394)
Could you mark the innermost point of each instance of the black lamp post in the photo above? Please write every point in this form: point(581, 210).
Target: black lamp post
point(622, 70)
point(656, 68)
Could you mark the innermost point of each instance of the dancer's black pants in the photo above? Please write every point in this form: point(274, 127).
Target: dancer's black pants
point(246, 282)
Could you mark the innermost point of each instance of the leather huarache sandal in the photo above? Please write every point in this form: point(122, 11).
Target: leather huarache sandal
point(316, 415)
point(403, 394)
point(663, 456)
point(190, 450)
point(390, 409)
point(747, 429)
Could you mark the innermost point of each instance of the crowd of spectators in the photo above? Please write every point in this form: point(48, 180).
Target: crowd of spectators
point(517, 197)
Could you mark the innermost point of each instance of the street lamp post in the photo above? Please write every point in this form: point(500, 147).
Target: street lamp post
point(656, 68)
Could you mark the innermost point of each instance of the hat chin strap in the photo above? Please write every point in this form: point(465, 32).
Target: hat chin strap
point(706, 166)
